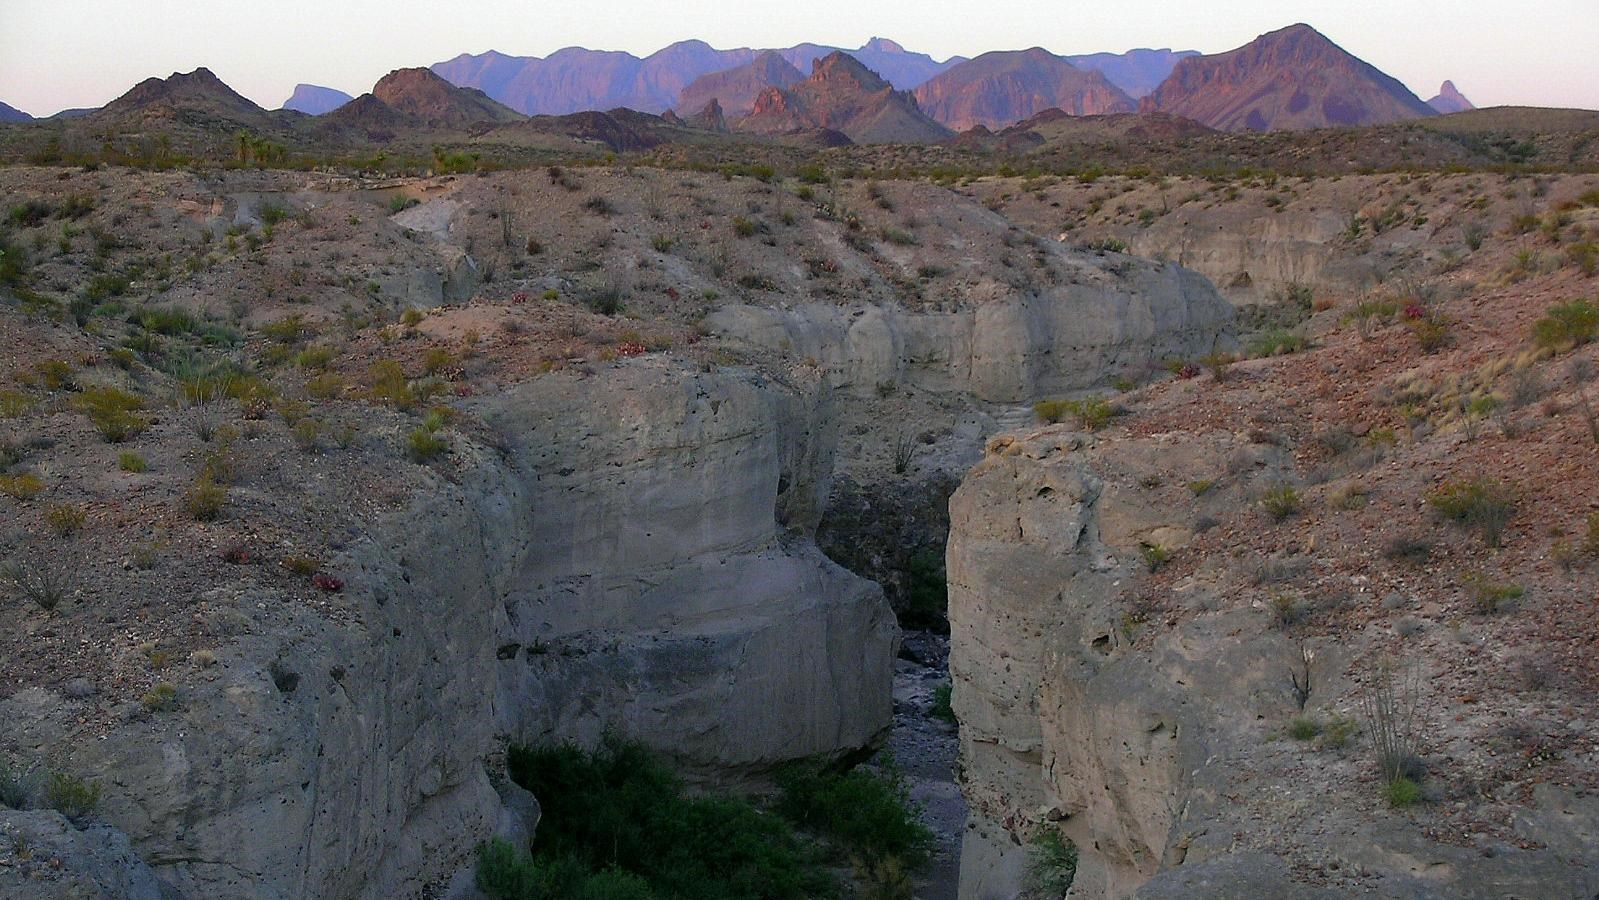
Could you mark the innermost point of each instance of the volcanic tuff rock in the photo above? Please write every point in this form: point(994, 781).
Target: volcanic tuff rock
point(1450, 100)
point(315, 100)
point(634, 556)
point(845, 96)
point(1138, 72)
point(736, 89)
point(1082, 705)
point(1289, 79)
point(10, 113)
point(710, 117)
point(999, 88)
point(1009, 346)
point(62, 862)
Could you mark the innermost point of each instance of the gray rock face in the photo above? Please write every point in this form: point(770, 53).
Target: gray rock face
point(634, 556)
point(1131, 728)
point(1011, 346)
point(43, 856)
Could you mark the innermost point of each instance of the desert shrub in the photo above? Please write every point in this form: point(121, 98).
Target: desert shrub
point(1051, 864)
point(1566, 325)
point(1590, 543)
point(389, 384)
point(424, 443)
point(315, 358)
point(1277, 342)
point(599, 206)
point(14, 404)
point(1304, 728)
point(1401, 792)
point(1488, 596)
point(1280, 501)
point(1432, 332)
point(71, 796)
point(287, 330)
point(44, 586)
point(1155, 556)
point(1480, 504)
point(162, 697)
point(14, 787)
point(663, 242)
point(52, 374)
point(1407, 548)
point(307, 435)
point(436, 360)
point(21, 486)
point(113, 412)
point(1092, 413)
point(205, 498)
point(64, 519)
point(1389, 703)
point(618, 808)
point(128, 461)
point(325, 387)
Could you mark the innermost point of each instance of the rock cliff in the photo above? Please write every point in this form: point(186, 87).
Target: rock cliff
point(627, 552)
point(1127, 713)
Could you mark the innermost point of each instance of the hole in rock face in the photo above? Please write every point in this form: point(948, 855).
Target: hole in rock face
point(1045, 491)
point(283, 679)
point(1102, 644)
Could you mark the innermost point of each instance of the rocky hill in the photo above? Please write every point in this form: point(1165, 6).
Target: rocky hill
point(734, 90)
point(431, 100)
point(844, 96)
point(1450, 100)
point(1290, 79)
point(13, 115)
point(1000, 88)
point(314, 100)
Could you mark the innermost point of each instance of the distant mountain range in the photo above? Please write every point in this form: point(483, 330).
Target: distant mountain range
point(314, 100)
point(577, 79)
point(1293, 78)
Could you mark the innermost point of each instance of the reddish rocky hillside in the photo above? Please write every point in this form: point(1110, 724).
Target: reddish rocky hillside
point(844, 96)
point(999, 88)
point(1290, 79)
point(735, 90)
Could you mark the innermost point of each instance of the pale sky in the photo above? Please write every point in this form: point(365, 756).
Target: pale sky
point(56, 54)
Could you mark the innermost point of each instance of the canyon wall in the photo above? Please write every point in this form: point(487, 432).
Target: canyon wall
point(1141, 718)
point(630, 554)
point(1121, 317)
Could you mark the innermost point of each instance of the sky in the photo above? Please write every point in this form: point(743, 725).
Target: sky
point(57, 54)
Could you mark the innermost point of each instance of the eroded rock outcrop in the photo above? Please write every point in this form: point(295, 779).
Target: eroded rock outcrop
point(1128, 713)
point(1008, 346)
point(634, 555)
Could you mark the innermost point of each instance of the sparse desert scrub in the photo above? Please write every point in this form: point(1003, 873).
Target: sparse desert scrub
point(64, 519)
point(1566, 325)
point(205, 498)
point(45, 585)
point(1091, 413)
point(1390, 704)
point(129, 461)
point(21, 485)
point(1488, 596)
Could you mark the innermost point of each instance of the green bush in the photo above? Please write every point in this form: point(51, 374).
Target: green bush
point(1051, 864)
point(1304, 728)
point(620, 809)
point(205, 498)
point(1566, 325)
point(129, 461)
point(868, 815)
point(942, 708)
